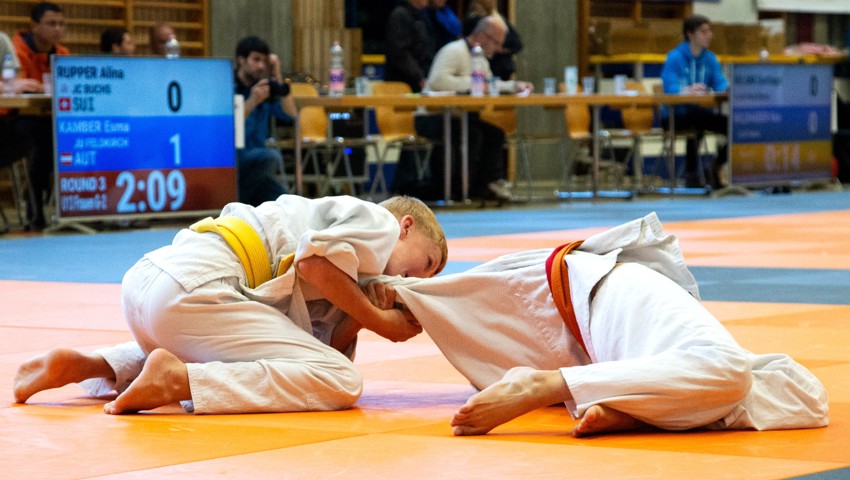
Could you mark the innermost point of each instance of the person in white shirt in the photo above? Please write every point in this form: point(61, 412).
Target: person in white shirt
point(451, 71)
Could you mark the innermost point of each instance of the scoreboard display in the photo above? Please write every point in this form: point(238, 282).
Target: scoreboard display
point(139, 136)
point(780, 118)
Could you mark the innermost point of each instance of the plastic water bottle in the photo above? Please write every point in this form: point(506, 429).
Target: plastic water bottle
point(479, 76)
point(336, 83)
point(172, 48)
point(9, 74)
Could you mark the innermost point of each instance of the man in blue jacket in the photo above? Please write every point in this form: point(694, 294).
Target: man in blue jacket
point(691, 68)
point(259, 80)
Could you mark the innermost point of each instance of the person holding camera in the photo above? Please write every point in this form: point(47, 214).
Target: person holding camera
point(259, 81)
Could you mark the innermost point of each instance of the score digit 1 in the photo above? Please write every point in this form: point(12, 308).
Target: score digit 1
point(175, 141)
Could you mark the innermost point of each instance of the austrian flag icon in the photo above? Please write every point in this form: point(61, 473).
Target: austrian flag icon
point(64, 104)
point(66, 158)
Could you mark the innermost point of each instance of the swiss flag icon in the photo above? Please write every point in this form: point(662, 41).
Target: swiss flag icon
point(64, 104)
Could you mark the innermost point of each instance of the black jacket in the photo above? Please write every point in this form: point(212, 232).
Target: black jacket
point(409, 46)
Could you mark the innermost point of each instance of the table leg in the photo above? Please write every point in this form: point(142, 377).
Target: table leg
point(447, 155)
point(671, 155)
point(594, 178)
point(299, 187)
point(464, 152)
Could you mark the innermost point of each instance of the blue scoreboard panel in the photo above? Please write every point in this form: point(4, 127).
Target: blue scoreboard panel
point(142, 136)
point(780, 123)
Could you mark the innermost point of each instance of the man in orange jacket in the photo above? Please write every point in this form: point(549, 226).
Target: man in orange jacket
point(34, 49)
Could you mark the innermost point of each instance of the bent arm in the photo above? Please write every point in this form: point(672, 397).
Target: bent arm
point(341, 290)
point(451, 71)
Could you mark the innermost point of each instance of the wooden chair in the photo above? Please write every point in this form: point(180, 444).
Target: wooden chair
point(397, 129)
point(669, 145)
point(15, 172)
point(579, 123)
point(638, 125)
point(325, 154)
point(505, 119)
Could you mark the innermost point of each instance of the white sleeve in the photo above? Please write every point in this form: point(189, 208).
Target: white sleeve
point(355, 235)
point(7, 48)
point(451, 70)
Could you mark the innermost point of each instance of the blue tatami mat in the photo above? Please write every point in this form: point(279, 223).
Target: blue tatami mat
point(104, 257)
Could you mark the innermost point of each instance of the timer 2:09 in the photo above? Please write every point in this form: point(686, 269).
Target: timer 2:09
point(158, 189)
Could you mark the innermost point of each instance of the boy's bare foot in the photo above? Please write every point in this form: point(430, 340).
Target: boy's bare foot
point(58, 368)
point(520, 391)
point(163, 381)
point(601, 419)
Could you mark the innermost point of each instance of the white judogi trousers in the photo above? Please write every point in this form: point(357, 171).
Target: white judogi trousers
point(242, 356)
point(654, 352)
point(262, 349)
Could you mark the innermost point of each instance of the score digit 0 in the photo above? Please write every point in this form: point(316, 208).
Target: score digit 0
point(175, 96)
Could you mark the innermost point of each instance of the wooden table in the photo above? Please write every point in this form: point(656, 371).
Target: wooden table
point(39, 104)
point(465, 103)
point(639, 60)
point(28, 104)
point(447, 104)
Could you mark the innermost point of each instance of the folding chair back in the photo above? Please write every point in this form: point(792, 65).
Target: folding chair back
point(398, 131)
point(314, 120)
point(393, 124)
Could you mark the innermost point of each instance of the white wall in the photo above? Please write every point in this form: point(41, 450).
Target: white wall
point(728, 11)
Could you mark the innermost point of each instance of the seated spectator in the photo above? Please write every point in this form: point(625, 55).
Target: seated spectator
point(452, 71)
point(14, 143)
point(503, 62)
point(34, 49)
point(410, 47)
point(446, 26)
point(117, 41)
point(21, 85)
point(692, 68)
point(410, 44)
point(259, 80)
point(159, 35)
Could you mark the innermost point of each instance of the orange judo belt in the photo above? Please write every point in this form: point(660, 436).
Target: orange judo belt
point(558, 277)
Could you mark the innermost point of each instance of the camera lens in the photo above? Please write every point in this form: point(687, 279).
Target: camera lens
point(277, 90)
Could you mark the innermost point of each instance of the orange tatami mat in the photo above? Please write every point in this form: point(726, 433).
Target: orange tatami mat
point(400, 426)
point(812, 240)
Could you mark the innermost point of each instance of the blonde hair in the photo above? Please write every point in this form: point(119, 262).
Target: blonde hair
point(424, 219)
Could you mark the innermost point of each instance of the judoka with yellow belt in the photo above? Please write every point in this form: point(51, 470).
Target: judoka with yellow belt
point(239, 314)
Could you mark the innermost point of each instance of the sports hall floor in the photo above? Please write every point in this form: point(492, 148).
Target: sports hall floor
point(775, 269)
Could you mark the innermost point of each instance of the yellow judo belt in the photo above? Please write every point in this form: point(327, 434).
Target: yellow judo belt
point(247, 245)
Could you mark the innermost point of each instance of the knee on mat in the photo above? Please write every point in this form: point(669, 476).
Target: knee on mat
point(345, 385)
point(734, 378)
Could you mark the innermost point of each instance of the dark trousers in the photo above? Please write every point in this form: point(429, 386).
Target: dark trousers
point(486, 162)
point(700, 121)
point(15, 143)
point(258, 180)
point(38, 132)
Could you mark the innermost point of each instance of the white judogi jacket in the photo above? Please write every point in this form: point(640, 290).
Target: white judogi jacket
point(654, 351)
point(263, 349)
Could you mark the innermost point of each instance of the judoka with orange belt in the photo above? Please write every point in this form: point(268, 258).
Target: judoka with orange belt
point(644, 350)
